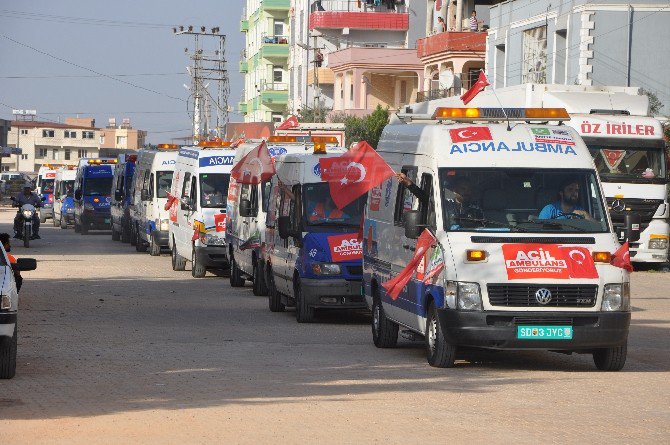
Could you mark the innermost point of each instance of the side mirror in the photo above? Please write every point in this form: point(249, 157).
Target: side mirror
point(413, 226)
point(245, 208)
point(144, 195)
point(118, 196)
point(77, 194)
point(632, 226)
point(284, 226)
point(26, 264)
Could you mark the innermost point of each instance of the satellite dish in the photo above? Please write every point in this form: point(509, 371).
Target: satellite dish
point(446, 79)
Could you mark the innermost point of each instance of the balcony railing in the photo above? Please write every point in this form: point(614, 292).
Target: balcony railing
point(357, 6)
point(276, 40)
point(462, 82)
point(274, 86)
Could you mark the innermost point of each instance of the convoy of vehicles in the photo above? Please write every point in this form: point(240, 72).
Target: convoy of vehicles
point(63, 207)
point(121, 197)
point(92, 195)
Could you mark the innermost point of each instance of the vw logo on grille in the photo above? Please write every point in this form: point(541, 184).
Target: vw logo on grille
point(618, 205)
point(543, 296)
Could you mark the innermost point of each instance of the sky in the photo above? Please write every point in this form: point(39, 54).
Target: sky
point(97, 58)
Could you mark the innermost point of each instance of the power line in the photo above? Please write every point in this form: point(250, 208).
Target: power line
point(83, 76)
point(24, 15)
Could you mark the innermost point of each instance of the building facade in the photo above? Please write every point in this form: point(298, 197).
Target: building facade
point(50, 143)
point(581, 42)
point(264, 60)
point(123, 136)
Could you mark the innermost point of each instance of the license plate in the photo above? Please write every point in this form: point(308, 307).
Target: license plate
point(544, 332)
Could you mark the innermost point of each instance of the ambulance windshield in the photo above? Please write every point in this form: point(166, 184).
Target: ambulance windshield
point(624, 162)
point(214, 189)
point(47, 185)
point(521, 200)
point(67, 188)
point(320, 210)
point(163, 183)
point(98, 186)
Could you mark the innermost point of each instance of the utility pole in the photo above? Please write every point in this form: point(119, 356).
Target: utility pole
point(207, 65)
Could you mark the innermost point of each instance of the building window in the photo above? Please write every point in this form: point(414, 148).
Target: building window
point(24, 132)
point(277, 118)
point(56, 155)
point(279, 28)
point(102, 139)
point(67, 154)
point(535, 55)
point(87, 134)
point(277, 74)
point(121, 140)
point(403, 92)
point(70, 134)
point(24, 157)
point(41, 153)
point(82, 153)
point(5, 168)
point(48, 133)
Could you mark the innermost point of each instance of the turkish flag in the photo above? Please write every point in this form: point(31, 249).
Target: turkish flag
point(469, 134)
point(354, 173)
point(482, 82)
point(289, 123)
point(395, 285)
point(255, 167)
point(613, 157)
point(580, 262)
point(236, 143)
point(621, 258)
point(170, 200)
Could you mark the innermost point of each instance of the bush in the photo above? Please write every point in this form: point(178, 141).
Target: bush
point(368, 128)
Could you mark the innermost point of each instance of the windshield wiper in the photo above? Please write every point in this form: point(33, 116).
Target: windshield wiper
point(552, 224)
point(485, 221)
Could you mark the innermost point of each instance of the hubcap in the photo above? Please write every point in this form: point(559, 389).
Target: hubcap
point(432, 334)
point(376, 316)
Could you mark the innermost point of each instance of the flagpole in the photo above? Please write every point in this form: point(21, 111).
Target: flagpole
point(509, 128)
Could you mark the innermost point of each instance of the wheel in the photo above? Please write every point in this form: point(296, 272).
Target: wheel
point(260, 287)
point(384, 331)
point(236, 278)
point(197, 269)
point(139, 243)
point(274, 299)
point(26, 239)
point(303, 312)
point(77, 227)
point(8, 356)
point(84, 229)
point(116, 236)
point(154, 248)
point(178, 261)
point(611, 359)
point(43, 219)
point(440, 353)
point(63, 223)
point(133, 237)
point(54, 222)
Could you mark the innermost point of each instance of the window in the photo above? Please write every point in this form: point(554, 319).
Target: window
point(82, 153)
point(151, 186)
point(87, 134)
point(70, 134)
point(279, 28)
point(41, 153)
point(48, 133)
point(404, 198)
point(277, 74)
point(98, 186)
point(320, 210)
point(102, 139)
point(277, 118)
point(24, 157)
point(67, 154)
point(56, 154)
point(403, 92)
point(427, 209)
point(629, 161)
point(186, 190)
point(535, 55)
point(213, 189)
point(23, 132)
point(122, 140)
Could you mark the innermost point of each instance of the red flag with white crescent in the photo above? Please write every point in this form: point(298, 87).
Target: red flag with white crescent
point(621, 258)
point(579, 261)
point(255, 167)
point(291, 122)
point(396, 284)
point(478, 87)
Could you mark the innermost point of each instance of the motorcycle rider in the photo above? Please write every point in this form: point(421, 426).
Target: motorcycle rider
point(27, 197)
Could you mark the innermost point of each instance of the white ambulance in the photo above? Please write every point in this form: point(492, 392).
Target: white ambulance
point(46, 176)
point(64, 197)
point(626, 143)
point(313, 252)
point(198, 212)
point(524, 241)
point(149, 223)
point(245, 230)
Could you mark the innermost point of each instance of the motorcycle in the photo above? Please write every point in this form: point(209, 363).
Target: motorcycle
point(27, 213)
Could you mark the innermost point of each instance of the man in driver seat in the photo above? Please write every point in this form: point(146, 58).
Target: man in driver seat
point(567, 206)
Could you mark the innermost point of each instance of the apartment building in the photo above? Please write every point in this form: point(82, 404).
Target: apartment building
point(582, 42)
point(123, 136)
point(51, 143)
point(264, 60)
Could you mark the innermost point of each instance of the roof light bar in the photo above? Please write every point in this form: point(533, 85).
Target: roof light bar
point(325, 139)
point(167, 146)
point(282, 139)
point(101, 161)
point(498, 114)
point(214, 144)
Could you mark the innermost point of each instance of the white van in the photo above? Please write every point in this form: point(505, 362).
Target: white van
point(524, 240)
point(151, 184)
point(45, 189)
point(313, 252)
point(198, 214)
point(64, 197)
point(246, 233)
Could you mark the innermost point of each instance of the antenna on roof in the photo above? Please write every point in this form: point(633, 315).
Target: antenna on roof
point(509, 127)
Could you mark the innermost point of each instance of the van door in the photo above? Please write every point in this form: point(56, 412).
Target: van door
point(293, 246)
point(185, 228)
point(280, 260)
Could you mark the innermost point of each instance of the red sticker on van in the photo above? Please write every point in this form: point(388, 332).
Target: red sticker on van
point(345, 247)
point(220, 222)
point(470, 134)
point(534, 261)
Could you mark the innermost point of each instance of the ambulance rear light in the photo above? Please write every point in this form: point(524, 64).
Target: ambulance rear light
point(319, 148)
point(498, 114)
point(325, 140)
point(602, 257)
point(282, 139)
point(167, 146)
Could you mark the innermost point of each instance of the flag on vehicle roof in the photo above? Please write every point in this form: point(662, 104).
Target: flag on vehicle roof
point(291, 122)
point(395, 285)
point(354, 173)
point(255, 167)
point(478, 87)
point(236, 143)
point(621, 258)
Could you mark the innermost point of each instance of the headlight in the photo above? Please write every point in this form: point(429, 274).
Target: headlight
point(88, 206)
point(27, 214)
point(69, 210)
point(213, 240)
point(325, 269)
point(450, 293)
point(165, 225)
point(469, 297)
point(616, 297)
point(5, 302)
point(658, 243)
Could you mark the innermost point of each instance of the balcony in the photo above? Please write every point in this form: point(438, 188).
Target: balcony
point(324, 75)
point(451, 41)
point(462, 82)
point(275, 93)
point(276, 5)
point(354, 14)
point(244, 25)
point(244, 66)
point(275, 47)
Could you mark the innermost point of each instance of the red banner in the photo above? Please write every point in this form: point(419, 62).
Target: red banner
point(482, 82)
point(395, 285)
point(523, 261)
point(345, 247)
point(220, 222)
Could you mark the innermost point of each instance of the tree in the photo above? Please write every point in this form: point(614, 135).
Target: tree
point(310, 115)
point(655, 104)
point(368, 128)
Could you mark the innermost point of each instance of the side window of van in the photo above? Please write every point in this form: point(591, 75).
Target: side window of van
point(193, 196)
point(404, 198)
point(427, 209)
point(265, 192)
point(151, 186)
point(186, 189)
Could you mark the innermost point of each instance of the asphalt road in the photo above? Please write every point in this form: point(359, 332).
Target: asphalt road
point(115, 347)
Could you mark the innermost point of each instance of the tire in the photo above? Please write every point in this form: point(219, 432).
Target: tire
point(125, 234)
point(440, 354)
point(116, 236)
point(197, 269)
point(236, 278)
point(8, 356)
point(384, 331)
point(303, 312)
point(26, 238)
point(77, 228)
point(63, 223)
point(83, 229)
point(274, 299)
point(133, 237)
point(178, 261)
point(260, 287)
point(611, 359)
point(43, 219)
point(154, 248)
point(139, 244)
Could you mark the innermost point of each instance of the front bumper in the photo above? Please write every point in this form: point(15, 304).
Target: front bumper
point(95, 220)
point(498, 329)
point(213, 257)
point(7, 324)
point(643, 255)
point(335, 293)
point(161, 237)
point(46, 212)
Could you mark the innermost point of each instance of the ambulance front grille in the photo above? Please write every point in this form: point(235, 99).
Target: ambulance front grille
point(523, 295)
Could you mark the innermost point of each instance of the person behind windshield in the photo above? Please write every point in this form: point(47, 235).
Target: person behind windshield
point(324, 211)
point(567, 206)
point(27, 197)
point(462, 204)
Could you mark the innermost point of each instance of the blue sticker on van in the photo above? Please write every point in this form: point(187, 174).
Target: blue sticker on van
point(192, 154)
point(212, 161)
point(276, 151)
point(317, 170)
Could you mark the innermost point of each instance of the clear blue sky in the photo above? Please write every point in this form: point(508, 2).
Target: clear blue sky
point(122, 37)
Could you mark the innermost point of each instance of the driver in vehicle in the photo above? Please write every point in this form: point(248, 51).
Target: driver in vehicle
point(462, 203)
point(27, 197)
point(567, 206)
